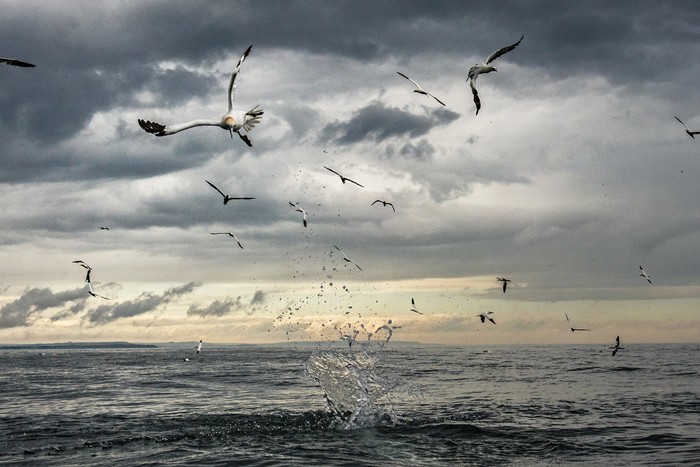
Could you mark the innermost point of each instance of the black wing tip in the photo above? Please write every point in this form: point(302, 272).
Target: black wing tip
point(152, 127)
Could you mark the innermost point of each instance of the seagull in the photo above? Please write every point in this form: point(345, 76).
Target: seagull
point(13, 62)
point(345, 258)
point(413, 307)
point(93, 293)
point(485, 316)
point(343, 179)
point(104, 228)
point(230, 234)
point(420, 90)
point(645, 275)
point(478, 69)
point(199, 347)
point(690, 133)
point(617, 346)
point(573, 328)
point(85, 265)
point(384, 203)
point(301, 210)
point(233, 120)
point(227, 198)
point(505, 282)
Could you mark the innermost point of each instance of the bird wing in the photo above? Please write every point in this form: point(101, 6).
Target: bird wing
point(14, 62)
point(392, 206)
point(491, 319)
point(243, 197)
point(239, 243)
point(502, 51)
point(417, 85)
point(614, 352)
point(435, 98)
point(333, 171)
point(215, 187)
point(353, 181)
point(475, 93)
point(152, 127)
point(617, 341)
point(483, 318)
point(686, 126)
point(232, 83)
point(378, 201)
point(358, 267)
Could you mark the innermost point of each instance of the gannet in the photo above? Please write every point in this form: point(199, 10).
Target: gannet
point(485, 316)
point(617, 346)
point(85, 265)
point(343, 179)
point(573, 328)
point(233, 120)
point(419, 89)
point(384, 203)
point(690, 133)
point(104, 228)
point(227, 198)
point(478, 69)
point(199, 347)
point(187, 358)
point(345, 257)
point(303, 212)
point(13, 62)
point(230, 234)
point(505, 282)
point(413, 307)
point(90, 291)
point(645, 275)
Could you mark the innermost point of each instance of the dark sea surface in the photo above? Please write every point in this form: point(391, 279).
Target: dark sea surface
point(398, 405)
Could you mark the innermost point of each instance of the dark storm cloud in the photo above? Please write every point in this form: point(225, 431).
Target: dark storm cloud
point(25, 310)
point(145, 303)
point(222, 308)
point(422, 150)
point(377, 122)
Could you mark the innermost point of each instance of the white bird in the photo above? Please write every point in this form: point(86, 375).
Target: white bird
point(85, 265)
point(485, 316)
point(384, 203)
point(690, 133)
point(199, 347)
point(478, 69)
point(13, 62)
point(301, 210)
point(345, 258)
point(343, 179)
point(645, 275)
point(573, 328)
point(505, 282)
point(227, 198)
point(230, 234)
point(187, 358)
point(413, 307)
point(91, 292)
point(616, 347)
point(232, 120)
point(419, 89)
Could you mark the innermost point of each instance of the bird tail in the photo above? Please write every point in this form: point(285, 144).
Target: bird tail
point(252, 118)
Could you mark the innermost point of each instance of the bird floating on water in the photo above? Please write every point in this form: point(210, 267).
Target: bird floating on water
point(343, 179)
point(232, 120)
point(478, 69)
point(616, 347)
point(385, 203)
point(413, 307)
point(187, 358)
point(227, 198)
point(345, 257)
point(486, 316)
point(690, 133)
point(14, 62)
point(505, 282)
point(573, 329)
point(230, 234)
point(645, 275)
point(419, 89)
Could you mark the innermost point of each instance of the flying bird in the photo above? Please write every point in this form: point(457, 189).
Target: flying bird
point(13, 62)
point(573, 328)
point(230, 234)
point(485, 316)
point(91, 292)
point(104, 228)
point(384, 203)
point(413, 307)
point(645, 275)
point(232, 120)
point(227, 198)
point(419, 89)
point(690, 133)
point(343, 179)
point(616, 347)
point(199, 347)
point(301, 210)
point(345, 257)
point(505, 282)
point(85, 265)
point(478, 69)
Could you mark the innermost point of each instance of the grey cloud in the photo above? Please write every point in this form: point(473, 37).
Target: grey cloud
point(25, 310)
point(422, 151)
point(222, 308)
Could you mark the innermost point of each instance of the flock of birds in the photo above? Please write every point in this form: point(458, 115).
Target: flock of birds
point(236, 121)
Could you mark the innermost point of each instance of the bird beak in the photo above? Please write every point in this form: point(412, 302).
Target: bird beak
point(230, 130)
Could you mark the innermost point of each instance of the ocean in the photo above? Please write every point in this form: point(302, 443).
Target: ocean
point(369, 405)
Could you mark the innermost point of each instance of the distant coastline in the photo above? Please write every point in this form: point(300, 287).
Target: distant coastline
point(78, 345)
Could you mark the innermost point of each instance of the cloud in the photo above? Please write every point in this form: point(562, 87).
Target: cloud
point(222, 308)
point(25, 310)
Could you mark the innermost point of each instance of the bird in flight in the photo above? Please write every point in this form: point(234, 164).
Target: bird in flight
point(230, 234)
point(227, 198)
point(478, 69)
point(13, 62)
point(486, 316)
point(85, 265)
point(645, 275)
point(616, 347)
point(199, 347)
point(419, 89)
point(505, 282)
point(385, 203)
point(413, 307)
point(91, 292)
point(233, 120)
point(573, 328)
point(104, 228)
point(690, 133)
point(345, 257)
point(343, 179)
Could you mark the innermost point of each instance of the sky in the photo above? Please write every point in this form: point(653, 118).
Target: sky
point(572, 176)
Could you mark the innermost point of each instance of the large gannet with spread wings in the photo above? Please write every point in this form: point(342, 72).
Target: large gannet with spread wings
point(233, 120)
point(478, 69)
point(419, 89)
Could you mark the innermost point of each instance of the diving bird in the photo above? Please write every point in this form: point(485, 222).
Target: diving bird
point(199, 347)
point(232, 120)
point(227, 198)
point(85, 265)
point(413, 307)
point(384, 203)
point(13, 62)
point(91, 292)
point(505, 282)
point(485, 316)
point(343, 179)
point(230, 234)
point(645, 275)
point(616, 347)
point(573, 328)
point(303, 220)
point(345, 257)
point(690, 133)
point(419, 89)
point(478, 69)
